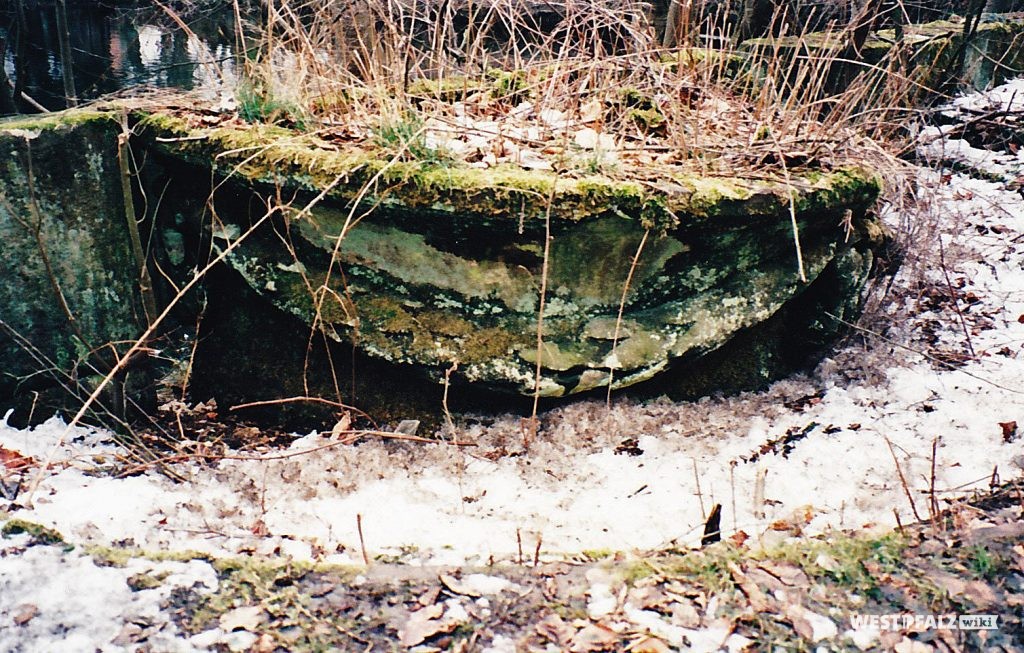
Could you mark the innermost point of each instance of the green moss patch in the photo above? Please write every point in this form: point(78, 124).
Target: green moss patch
point(58, 120)
point(37, 533)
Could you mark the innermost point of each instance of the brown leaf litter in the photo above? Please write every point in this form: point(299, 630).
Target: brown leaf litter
point(800, 594)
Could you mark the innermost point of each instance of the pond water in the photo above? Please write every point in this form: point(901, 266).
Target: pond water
point(110, 51)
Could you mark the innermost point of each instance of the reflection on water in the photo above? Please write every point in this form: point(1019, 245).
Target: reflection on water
point(109, 51)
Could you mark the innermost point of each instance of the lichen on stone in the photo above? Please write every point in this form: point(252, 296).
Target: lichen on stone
point(442, 267)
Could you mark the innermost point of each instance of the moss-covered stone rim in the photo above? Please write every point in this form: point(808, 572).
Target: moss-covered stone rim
point(57, 120)
point(272, 155)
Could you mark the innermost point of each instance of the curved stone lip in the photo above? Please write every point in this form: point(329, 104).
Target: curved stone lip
point(398, 312)
point(686, 302)
point(267, 155)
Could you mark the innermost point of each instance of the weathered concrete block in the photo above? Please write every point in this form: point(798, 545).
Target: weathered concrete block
point(68, 282)
point(437, 266)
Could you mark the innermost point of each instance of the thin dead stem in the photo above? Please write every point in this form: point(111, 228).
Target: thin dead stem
point(903, 479)
point(622, 307)
point(362, 541)
point(532, 428)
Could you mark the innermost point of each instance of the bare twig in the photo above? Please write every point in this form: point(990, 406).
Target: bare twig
point(531, 433)
point(903, 480)
point(933, 503)
point(622, 308)
point(362, 542)
point(131, 222)
point(700, 496)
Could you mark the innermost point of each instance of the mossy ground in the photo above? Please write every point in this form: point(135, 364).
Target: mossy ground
point(37, 533)
point(304, 607)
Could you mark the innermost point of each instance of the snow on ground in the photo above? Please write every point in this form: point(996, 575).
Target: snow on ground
point(578, 487)
point(1006, 97)
point(55, 595)
point(936, 145)
point(628, 476)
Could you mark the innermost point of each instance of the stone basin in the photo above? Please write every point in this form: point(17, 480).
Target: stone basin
point(690, 279)
point(441, 267)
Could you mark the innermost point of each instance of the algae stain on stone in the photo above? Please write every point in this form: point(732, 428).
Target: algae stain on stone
point(446, 267)
point(62, 203)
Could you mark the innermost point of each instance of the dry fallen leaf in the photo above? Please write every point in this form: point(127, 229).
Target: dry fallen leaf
point(454, 585)
point(24, 613)
point(648, 597)
point(981, 595)
point(772, 578)
point(13, 460)
point(408, 427)
point(429, 597)
point(130, 634)
point(554, 629)
point(342, 426)
point(650, 645)
point(1009, 430)
point(802, 627)
point(1009, 531)
point(424, 624)
point(758, 601)
point(265, 644)
point(739, 538)
point(594, 637)
point(685, 614)
point(789, 574)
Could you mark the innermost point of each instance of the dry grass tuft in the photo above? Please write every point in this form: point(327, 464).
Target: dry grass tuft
point(579, 86)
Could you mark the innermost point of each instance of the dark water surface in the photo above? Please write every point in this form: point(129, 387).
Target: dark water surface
point(110, 51)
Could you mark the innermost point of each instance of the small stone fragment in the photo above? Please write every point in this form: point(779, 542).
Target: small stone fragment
point(244, 618)
point(24, 613)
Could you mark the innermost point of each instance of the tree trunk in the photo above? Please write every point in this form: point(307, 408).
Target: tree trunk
point(66, 57)
point(756, 19)
point(20, 54)
point(863, 22)
point(673, 24)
